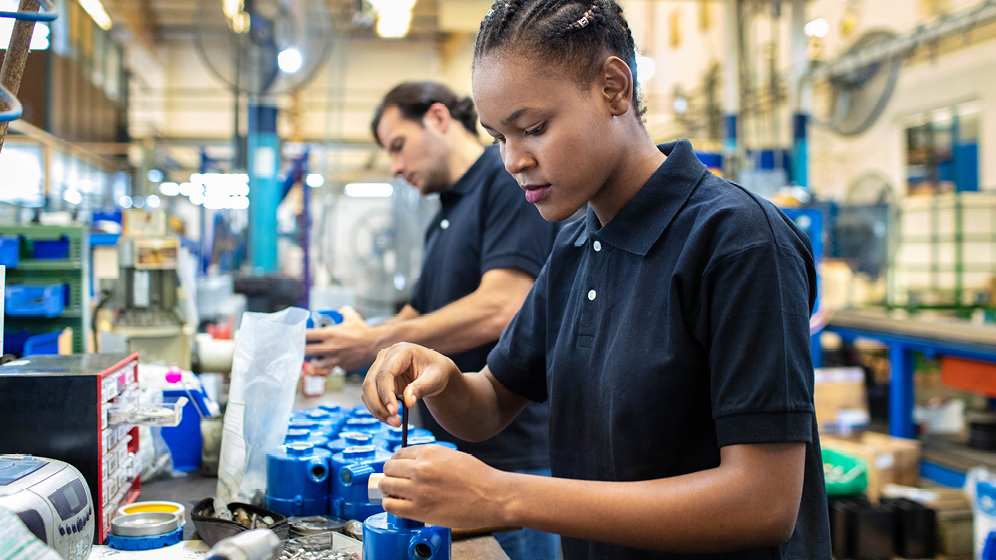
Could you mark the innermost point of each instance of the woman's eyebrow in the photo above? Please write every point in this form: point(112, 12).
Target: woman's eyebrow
point(513, 117)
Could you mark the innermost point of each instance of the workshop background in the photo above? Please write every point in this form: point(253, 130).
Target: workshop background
point(172, 164)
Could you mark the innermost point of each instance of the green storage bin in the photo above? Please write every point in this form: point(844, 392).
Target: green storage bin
point(845, 474)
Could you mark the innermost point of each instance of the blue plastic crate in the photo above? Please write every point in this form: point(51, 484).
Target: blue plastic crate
point(10, 250)
point(13, 342)
point(42, 344)
point(47, 249)
point(35, 301)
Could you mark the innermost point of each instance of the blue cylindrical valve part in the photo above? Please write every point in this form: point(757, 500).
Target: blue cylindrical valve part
point(349, 439)
point(391, 438)
point(297, 480)
point(294, 436)
point(425, 441)
point(367, 425)
point(386, 537)
point(351, 470)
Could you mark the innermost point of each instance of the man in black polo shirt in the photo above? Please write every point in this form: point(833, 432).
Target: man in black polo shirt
point(483, 252)
point(669, 342)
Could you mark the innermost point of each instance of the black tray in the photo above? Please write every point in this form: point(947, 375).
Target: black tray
point(212, 529)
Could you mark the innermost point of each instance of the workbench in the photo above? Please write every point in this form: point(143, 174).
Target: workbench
point(934, 337)
point(189, 488)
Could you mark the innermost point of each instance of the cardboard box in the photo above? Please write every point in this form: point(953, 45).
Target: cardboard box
point(838, 389)
point(890, 459)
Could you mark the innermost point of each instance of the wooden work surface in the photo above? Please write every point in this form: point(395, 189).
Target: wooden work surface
point(939, 328)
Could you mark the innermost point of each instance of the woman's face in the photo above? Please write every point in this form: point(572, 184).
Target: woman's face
point(555, 137)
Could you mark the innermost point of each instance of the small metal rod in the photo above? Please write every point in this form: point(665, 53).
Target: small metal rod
point(404, 423)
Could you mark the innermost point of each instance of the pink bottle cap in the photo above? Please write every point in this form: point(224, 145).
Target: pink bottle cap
point(174, 374)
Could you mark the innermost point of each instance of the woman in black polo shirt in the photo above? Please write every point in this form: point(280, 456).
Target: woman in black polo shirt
point(668, 330)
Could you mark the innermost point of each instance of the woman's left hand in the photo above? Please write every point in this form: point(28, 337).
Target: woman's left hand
point(438, 485)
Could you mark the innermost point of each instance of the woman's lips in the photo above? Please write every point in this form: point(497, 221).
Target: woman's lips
point(535, 193)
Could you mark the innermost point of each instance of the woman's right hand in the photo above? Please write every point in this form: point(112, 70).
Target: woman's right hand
point(406, 369)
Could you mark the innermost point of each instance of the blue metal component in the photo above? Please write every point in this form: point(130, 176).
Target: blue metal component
point(297, 480)
point(387, 537)
point(730, 138)
point(360, 411)
point(351, 470)
point(391, 439)
point(144, 543)
point(901, 392)
point(367, 425)
point(294, 436)
point(349, 439)
point(329, 424)
point(324, 318)
point(425, 441)
point(264, 193)
point(304, 424)
point(800, 150)
point(942, 475)
point(331, 408)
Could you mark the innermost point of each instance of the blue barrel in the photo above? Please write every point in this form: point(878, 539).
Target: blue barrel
point(351, 470)
point(297, 480)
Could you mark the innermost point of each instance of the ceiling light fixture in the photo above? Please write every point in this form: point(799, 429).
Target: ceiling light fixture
point(394, 17)
point(238, 20)
point(289, 60)
point(96, 11)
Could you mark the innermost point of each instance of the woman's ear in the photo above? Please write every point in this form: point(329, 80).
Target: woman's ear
point(616, 85)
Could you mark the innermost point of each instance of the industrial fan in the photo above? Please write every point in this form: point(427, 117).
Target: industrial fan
point(264, 46)
point(858, 97)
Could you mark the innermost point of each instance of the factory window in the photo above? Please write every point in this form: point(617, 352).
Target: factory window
point(942, 150)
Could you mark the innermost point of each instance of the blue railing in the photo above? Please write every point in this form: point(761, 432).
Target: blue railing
point(47, 13)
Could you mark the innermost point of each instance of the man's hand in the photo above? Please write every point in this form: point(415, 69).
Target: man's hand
point(350, 345)
point(438, 485)
point(406, 369)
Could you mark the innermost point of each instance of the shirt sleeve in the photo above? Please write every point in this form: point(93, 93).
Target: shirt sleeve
point(754, 323)
point(514, 234)
point(518, 361)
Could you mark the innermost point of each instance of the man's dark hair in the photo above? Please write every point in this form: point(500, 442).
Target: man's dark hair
point(576, 34)
point(413, 99)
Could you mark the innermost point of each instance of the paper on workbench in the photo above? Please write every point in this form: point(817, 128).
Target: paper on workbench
point(184, 550)
point(266, 366)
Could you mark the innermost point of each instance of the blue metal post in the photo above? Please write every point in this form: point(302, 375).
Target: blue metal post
point(264, 195)
point(901, 391)
point(800, 150)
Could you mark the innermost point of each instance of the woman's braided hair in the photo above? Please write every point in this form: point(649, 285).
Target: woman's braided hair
point(577, 34)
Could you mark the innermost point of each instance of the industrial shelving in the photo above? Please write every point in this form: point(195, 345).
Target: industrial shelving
point(72, 271)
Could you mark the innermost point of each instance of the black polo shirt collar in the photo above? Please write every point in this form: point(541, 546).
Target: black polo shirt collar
point(468, 181)
point(642, 220)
